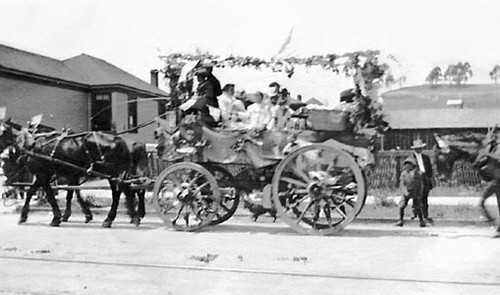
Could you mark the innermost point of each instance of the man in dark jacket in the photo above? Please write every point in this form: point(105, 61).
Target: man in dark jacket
point(411, 184)
point(213, 80)
point(425, 167)
point(205, 101)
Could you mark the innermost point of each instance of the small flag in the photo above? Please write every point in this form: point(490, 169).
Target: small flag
point(35, 121)
point(287, 41)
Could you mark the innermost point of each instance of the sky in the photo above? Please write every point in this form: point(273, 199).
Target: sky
point(131, 34)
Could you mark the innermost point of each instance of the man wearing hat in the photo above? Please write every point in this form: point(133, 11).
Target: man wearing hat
point(411, 185)
point(424, 165)
point(206, 100)
point(212, 79)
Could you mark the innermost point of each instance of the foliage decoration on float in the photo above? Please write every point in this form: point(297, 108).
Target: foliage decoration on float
point(368, 69)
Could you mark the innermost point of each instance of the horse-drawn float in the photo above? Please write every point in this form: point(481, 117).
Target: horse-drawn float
point(314, 179)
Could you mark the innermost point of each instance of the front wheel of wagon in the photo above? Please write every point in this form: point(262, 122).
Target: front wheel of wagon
point(186, 196)
point(318, 189)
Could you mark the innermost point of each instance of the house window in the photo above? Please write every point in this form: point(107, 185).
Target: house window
point(132, 114)
point(101, 119)
point(102, 97)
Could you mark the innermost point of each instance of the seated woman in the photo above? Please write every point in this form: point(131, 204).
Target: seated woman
point(238, 116)
point(281, 113)
point(259, 113)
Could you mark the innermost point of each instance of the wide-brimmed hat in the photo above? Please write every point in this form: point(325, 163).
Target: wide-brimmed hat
point(201, 71)
point(410, 160)
point(418, 143)
point(208, 64)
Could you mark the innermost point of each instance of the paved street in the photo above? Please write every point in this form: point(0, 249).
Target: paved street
point(242, 257)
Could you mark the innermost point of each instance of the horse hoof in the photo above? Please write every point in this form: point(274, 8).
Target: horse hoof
point(496, 235)
point(136, 221)
point(65, 219)
point(88, 218)
point(22, 220)
point(55, 222)
point(106, 224)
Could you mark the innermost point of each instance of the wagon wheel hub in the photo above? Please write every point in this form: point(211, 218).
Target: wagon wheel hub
point(186, 196)
point(316, 190)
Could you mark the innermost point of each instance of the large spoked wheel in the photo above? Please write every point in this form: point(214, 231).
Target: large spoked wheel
point(186, 196)
point(318, 189)
point(230, 197)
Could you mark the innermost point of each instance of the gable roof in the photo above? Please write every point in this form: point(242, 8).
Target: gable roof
point(99, 72)
point(314, 101)
point(83, 71)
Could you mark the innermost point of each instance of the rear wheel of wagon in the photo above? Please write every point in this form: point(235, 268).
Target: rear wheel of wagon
point(318, 189)
point(230, 197)
point(186, 196)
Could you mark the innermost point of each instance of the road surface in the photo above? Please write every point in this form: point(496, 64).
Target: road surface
point(243, 257)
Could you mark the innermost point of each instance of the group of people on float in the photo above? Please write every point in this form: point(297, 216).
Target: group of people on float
point(231, 107)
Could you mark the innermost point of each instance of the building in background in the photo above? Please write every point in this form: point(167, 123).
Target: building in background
point(83, 92)
point(420, 111)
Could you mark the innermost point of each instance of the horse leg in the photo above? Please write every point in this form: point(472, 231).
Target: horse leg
point(67, 211)
point(141, 210)
point(49, 194)
point(130, 201)
point(490, 189)
point(26, 208)
point(115, 191)
point(85, 206)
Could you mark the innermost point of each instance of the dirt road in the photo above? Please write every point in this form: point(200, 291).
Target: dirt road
point(242, 257)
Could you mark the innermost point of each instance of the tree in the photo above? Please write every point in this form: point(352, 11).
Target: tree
point(495, 73)
point(458, 73)
point(434, 76)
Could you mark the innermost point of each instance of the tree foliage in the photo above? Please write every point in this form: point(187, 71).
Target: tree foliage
point(434, 76)
point(458, 73)
point(495, 73)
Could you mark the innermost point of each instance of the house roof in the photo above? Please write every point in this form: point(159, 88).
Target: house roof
point(427, 106)
point(443, 118)
point(83, 70)
point(436, 96)
point(314, 101)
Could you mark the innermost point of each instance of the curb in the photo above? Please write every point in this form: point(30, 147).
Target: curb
point(247, 214)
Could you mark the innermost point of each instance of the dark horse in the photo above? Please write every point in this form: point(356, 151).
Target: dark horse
point(482, 152)
point(76, 157)
point(15, 172)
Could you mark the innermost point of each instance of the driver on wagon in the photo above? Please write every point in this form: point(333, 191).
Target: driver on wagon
point(205, 100)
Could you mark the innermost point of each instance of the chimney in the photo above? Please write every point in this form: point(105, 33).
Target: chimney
point(154, 77)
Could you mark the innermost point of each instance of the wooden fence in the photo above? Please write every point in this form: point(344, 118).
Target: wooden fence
point(385, 174)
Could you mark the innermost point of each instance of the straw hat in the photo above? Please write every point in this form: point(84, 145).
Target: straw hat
point(418, 143)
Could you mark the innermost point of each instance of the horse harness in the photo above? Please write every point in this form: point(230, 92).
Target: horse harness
point(66, 135)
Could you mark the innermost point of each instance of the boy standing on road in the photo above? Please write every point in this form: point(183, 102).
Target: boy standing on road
point(412, 186)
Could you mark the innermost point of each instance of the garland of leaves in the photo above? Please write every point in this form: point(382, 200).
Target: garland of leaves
point(363, 66)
